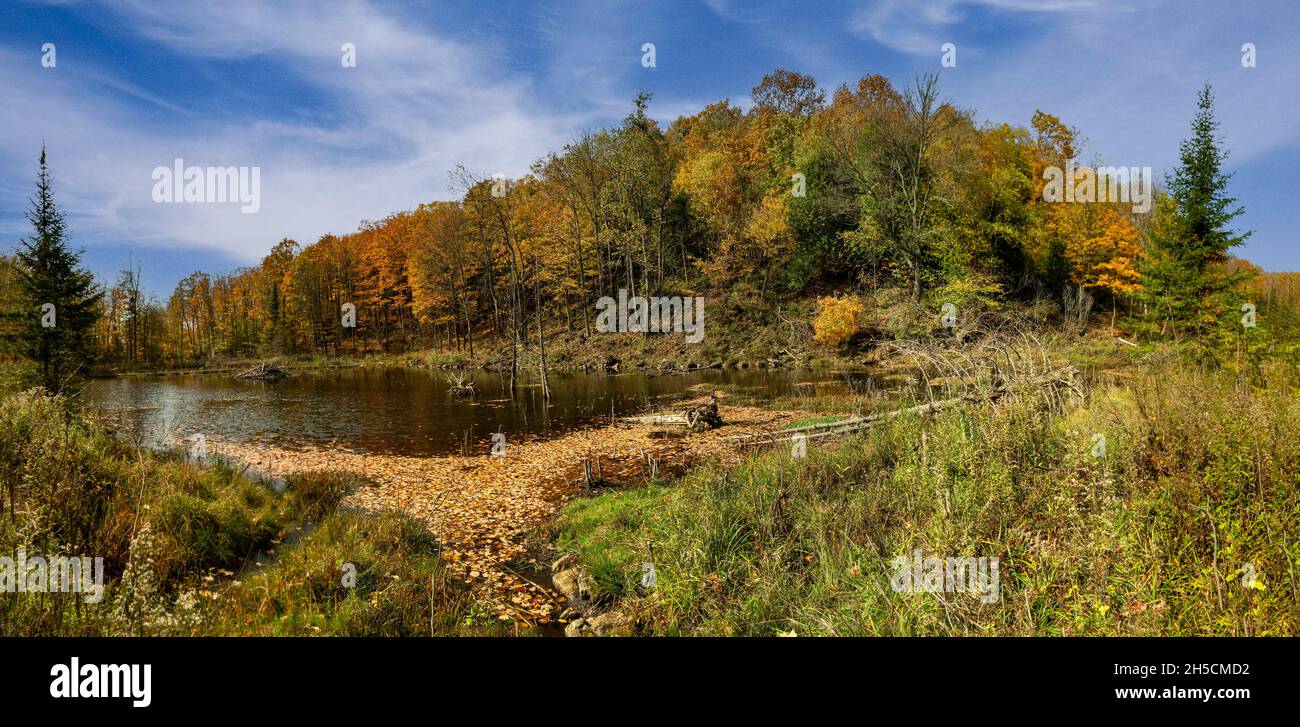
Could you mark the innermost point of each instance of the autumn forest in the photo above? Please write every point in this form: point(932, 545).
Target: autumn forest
point(805, 194)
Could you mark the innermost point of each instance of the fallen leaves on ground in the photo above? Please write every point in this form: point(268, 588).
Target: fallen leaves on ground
point(482, 508)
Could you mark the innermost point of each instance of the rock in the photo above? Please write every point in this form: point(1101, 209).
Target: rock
point(610, 623)
point(576, 627)
point(586, 586)
point(612, 363)
point(566, 582)
point(564, 562)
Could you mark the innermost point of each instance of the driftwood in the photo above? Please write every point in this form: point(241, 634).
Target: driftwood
point(849, 426)
point(1000, 350)
point(856, 424)
point(459, 385)
point(703, 416)
point(263, 372)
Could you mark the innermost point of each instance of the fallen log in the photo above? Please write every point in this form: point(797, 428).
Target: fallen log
point(658, 419)
point(856, 424)
point(1063, 378)
point(703, 416)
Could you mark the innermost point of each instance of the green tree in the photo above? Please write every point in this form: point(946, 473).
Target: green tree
point(59, 299)
point(1189, 285)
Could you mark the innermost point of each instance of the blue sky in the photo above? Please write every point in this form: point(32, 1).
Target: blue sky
point(495, 85)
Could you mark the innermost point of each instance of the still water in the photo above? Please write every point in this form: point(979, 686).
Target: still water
point(405, 411)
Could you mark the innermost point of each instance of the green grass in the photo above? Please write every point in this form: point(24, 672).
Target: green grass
point(354, 575)
point(1199, 482)
point(180, 542)
point(809, 421)
point(596, 529)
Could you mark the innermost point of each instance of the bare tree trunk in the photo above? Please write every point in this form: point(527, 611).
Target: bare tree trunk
point(541, 337)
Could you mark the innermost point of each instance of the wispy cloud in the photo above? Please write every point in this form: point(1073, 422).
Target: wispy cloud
point(260, 83)
point(417, 104)
point(920, 26)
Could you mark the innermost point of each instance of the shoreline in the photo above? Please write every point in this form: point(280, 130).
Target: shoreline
point(483, 509)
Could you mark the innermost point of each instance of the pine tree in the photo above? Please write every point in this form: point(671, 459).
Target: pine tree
point(1189, 285)
point(59, 339)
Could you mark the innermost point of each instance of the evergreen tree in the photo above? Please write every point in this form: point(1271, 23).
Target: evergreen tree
point(59, 339)
point(1188, 284)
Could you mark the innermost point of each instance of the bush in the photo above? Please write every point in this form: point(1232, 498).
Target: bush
point(838, 320)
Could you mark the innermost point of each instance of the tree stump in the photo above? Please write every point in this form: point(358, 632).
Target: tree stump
point(704, 416)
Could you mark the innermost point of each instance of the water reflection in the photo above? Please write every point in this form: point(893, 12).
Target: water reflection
point(400, 410)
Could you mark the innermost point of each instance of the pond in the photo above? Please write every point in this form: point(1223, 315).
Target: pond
point(407, 411)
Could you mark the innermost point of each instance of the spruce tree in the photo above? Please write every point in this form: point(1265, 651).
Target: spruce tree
point(1188, 283)
point(58, 340)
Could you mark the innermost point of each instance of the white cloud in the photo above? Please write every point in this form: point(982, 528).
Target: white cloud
point(917, 26)
point(418, 104)
point(1131, 86)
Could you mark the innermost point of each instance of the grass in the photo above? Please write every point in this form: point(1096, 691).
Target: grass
point(809, 421)
point(354, 575)
point(1198, 488)
point(181, 541)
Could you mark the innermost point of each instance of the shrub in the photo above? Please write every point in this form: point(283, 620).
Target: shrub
point(838, 320)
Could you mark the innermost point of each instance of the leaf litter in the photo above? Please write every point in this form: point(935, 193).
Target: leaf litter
point(482, 508)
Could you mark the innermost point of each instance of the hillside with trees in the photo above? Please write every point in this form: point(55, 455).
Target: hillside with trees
point(894, 198)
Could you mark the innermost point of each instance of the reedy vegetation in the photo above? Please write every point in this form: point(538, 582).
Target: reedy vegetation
point(1198, 487)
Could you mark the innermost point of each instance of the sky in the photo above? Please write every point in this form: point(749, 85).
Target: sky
point(136, 84)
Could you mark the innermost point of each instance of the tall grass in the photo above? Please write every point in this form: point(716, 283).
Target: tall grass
point(1196, 490)
point(182, 542)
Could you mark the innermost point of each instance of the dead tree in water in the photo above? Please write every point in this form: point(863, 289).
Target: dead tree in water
point(461, 386)
point(541, 337)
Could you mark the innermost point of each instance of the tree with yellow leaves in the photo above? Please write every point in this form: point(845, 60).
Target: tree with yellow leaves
point(839, 318)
